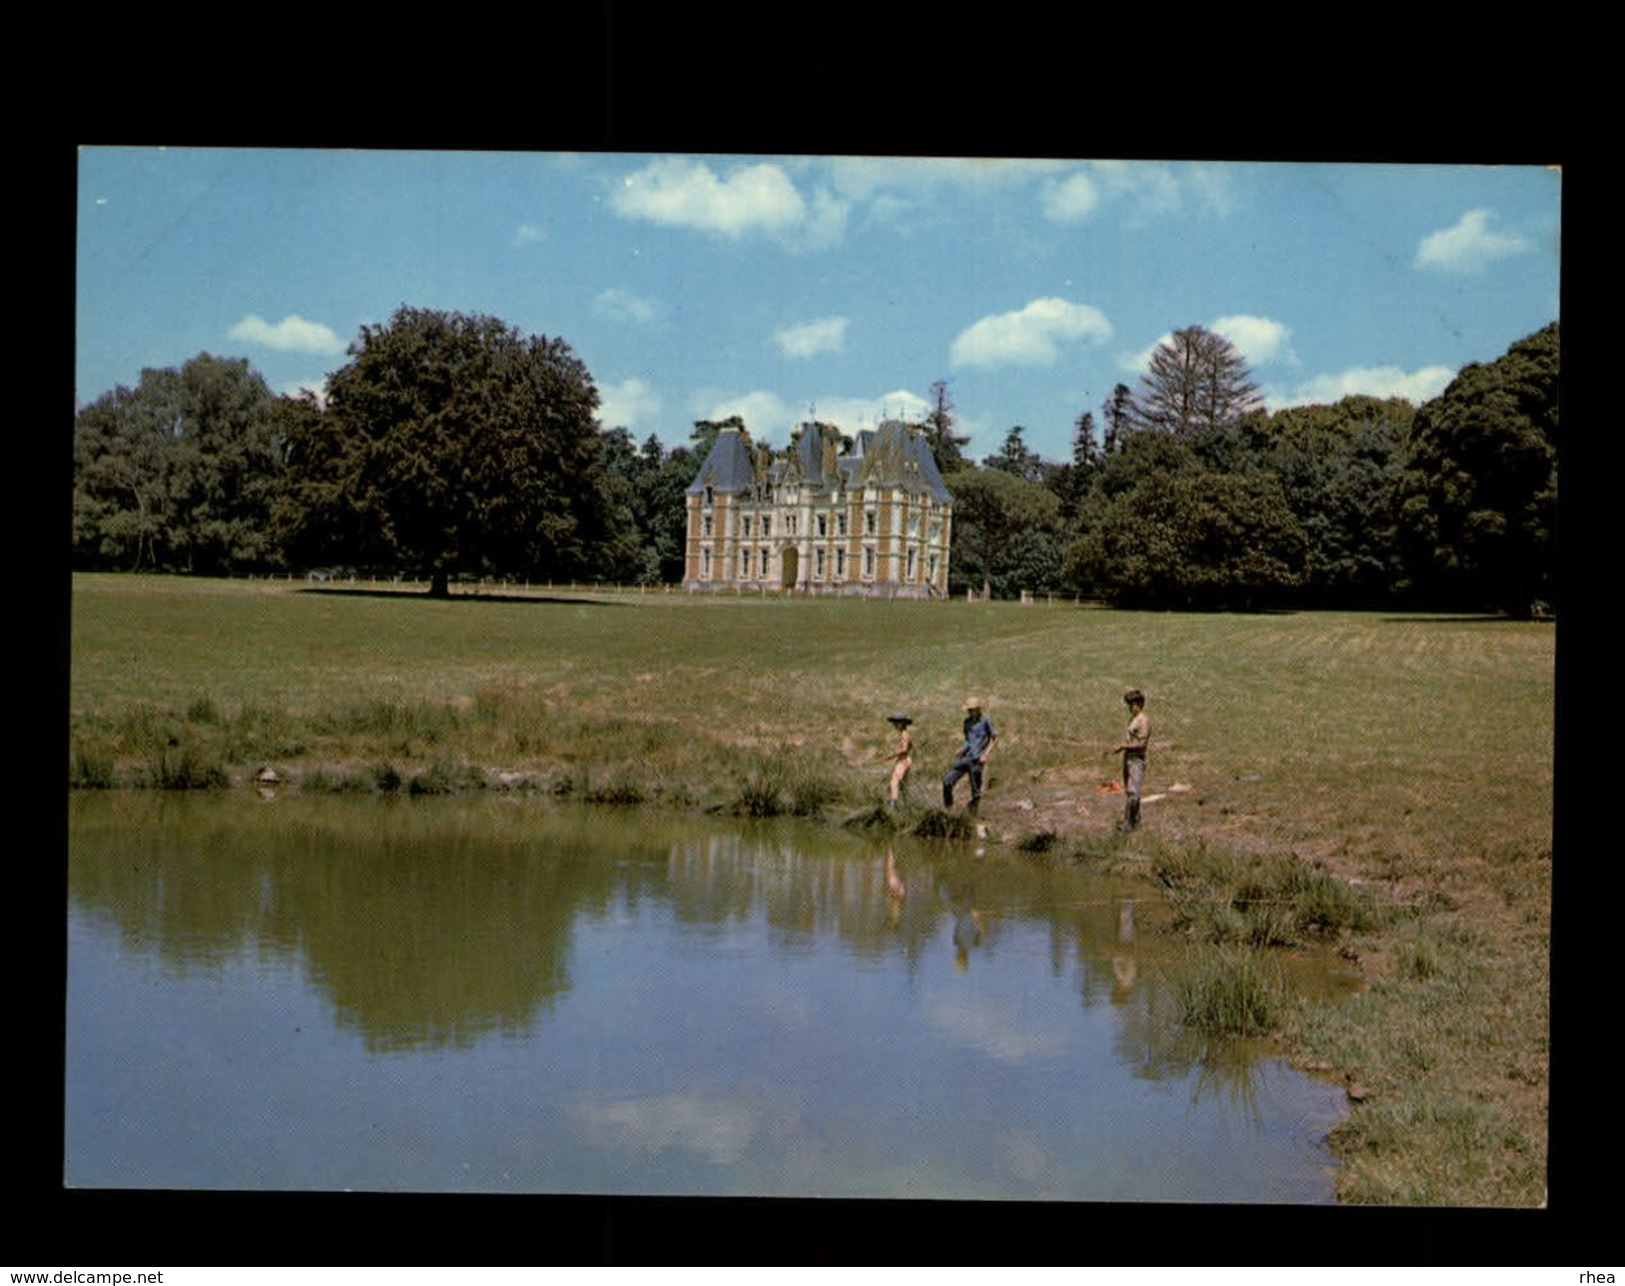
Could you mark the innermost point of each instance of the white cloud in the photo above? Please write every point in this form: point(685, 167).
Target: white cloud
point(854, 413)
point(1028, 337)
point(1261, 340)
point(627, 405)
point(1070, 199)
point(1374, 381)
point(808, 339)
point(770, 418)
point(862, 178)
point(293, 334)
point(1468, 246)
point(295, 388)
point(528, 234)
point(687, 193)
point(1152, 185)
point(1145, 187)
point(1138, 363)
point(765, 414)
point(622, 305)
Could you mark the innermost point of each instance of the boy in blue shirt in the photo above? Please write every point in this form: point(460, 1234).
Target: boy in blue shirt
point(972, 756)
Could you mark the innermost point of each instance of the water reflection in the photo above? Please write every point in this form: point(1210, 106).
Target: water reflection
point(575, 1001)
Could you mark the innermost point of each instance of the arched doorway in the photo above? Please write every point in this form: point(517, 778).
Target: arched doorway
point(788, 563)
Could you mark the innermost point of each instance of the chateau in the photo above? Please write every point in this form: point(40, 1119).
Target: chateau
point(875, 520)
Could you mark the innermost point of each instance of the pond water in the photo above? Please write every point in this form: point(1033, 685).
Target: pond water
point(507, 995)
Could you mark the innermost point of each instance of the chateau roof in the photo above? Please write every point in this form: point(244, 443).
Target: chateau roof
point(893, 455)
point(728, 468)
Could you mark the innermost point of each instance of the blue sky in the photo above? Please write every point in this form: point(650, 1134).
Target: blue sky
point(699, 286)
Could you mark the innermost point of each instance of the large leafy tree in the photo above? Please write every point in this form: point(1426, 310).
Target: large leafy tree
point(455, 444)
point(180, 472)
point(1479, 498)
point(1005, 532)
point(1195, 539)
point(1340, 468)
point(1197, 380)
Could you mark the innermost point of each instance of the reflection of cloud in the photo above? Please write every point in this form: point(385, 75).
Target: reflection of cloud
point(1023, 1156)
point(718, 1129)
point(986, 1026)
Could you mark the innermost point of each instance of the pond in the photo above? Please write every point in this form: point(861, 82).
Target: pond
point(511, 995)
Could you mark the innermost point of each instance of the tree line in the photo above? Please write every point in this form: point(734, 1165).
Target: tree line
point(452, 445)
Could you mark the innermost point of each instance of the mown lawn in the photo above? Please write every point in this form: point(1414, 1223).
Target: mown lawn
point(1409, 756)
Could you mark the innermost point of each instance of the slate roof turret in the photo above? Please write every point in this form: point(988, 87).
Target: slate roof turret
point(728, 468)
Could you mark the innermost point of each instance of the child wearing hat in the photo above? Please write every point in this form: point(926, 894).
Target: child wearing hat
point(902, 756)
point(972, 756)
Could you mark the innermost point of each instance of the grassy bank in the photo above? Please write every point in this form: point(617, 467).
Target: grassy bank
point(1378, 784)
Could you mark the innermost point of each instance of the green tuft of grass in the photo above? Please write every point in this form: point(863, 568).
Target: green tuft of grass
point(444, 778)
point(779, 784)
point(89, 767)
point(937, 823)
point(617, 790)
point(184, 767)
point(1229, 993)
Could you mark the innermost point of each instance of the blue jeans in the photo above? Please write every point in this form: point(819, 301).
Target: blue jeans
point(961, 768)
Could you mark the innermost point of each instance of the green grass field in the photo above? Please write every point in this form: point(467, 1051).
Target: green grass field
point(1407, 758)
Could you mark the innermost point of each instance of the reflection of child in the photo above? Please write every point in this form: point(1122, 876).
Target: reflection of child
point(902, 755)
point(896, 890)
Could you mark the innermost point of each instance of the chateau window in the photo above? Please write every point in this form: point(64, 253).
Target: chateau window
point(744, 564)
point(909, 575)
point(767, 525)
point(707, 524)
point(710, 495)
point(790, 524)
point(932, 564)
point(914, 524)
point(936, 532)
point(744, 525)
point(705, 564)
point(840, 564)
point(868, 522)
point(840, 523)
point(818, 564)
point(823, 524)
point(764, 562)
point(869, 560)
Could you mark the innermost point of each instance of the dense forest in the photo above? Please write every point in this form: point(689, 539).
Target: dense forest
point(455, 446)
